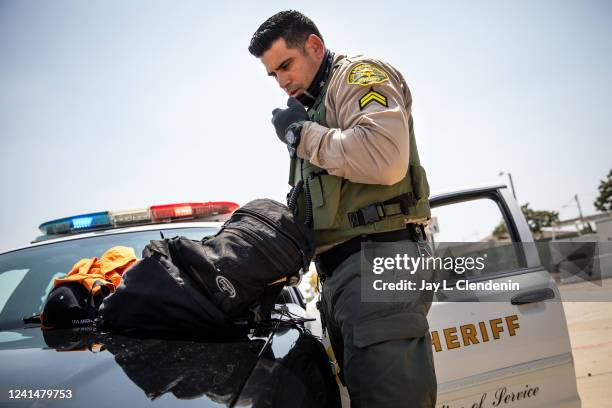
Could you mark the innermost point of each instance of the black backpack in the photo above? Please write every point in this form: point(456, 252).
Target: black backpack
point(223, 281)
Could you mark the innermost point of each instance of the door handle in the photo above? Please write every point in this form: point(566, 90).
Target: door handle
point(533, 296)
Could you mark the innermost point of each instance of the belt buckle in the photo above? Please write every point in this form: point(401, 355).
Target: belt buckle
point(370, 213)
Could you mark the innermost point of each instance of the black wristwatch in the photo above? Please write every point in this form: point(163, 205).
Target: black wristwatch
point(293, 137)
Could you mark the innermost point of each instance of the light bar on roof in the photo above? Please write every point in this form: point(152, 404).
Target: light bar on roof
point(209, 211)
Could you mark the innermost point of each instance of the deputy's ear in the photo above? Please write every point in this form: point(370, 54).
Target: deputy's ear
point(315, 45)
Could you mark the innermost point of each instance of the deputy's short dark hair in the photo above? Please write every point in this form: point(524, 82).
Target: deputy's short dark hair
point(291, 25)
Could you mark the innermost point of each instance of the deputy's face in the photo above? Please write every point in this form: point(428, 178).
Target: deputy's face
point(293, 68)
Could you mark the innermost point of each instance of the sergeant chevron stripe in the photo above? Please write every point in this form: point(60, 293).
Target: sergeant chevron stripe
point(372, 96)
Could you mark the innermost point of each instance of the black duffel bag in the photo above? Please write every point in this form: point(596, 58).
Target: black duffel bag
point(223, 281)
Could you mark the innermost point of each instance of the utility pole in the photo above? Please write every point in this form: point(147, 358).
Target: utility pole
point(501, 173)
point(584, 223)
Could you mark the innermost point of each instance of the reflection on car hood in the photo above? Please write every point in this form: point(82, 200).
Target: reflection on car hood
point(124, 371)
point(280, 366)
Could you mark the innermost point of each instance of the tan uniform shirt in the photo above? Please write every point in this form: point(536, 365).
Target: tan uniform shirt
point(367, 139)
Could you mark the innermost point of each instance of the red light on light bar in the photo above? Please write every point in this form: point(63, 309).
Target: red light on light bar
point(183, 211)
point(191, 210)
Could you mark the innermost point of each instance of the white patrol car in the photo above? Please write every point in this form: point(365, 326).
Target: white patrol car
point(510, 353)
point(487, 354)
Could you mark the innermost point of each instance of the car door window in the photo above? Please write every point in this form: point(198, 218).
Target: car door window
point(474, 233)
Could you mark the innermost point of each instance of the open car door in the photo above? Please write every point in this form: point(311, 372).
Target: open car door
point(509, 349)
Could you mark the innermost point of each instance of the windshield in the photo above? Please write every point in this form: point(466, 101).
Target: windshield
point(26, 276)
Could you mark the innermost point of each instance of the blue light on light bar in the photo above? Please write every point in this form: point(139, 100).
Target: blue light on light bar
point(82, 222)
point(77, 222)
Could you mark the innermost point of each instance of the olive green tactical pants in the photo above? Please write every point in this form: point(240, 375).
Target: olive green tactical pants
point(383, 349)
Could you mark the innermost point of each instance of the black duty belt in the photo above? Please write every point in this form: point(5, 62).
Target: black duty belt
point(329, 260)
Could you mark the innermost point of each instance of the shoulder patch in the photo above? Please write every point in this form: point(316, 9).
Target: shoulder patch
point(365, 74)
point(372, 96)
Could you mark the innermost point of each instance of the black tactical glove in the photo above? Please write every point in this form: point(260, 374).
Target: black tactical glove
point(283, 118)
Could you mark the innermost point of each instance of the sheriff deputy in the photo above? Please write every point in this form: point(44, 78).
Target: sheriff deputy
point(356, 177)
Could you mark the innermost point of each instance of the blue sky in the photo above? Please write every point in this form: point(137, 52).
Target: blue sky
point(113, 105)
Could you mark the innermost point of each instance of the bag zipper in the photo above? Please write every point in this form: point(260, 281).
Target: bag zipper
point(271, 223)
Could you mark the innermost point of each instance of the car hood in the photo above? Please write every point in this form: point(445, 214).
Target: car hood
point(117, 370)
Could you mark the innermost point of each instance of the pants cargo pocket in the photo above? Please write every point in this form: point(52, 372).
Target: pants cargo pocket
point(403, 325)
point(391, 364)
